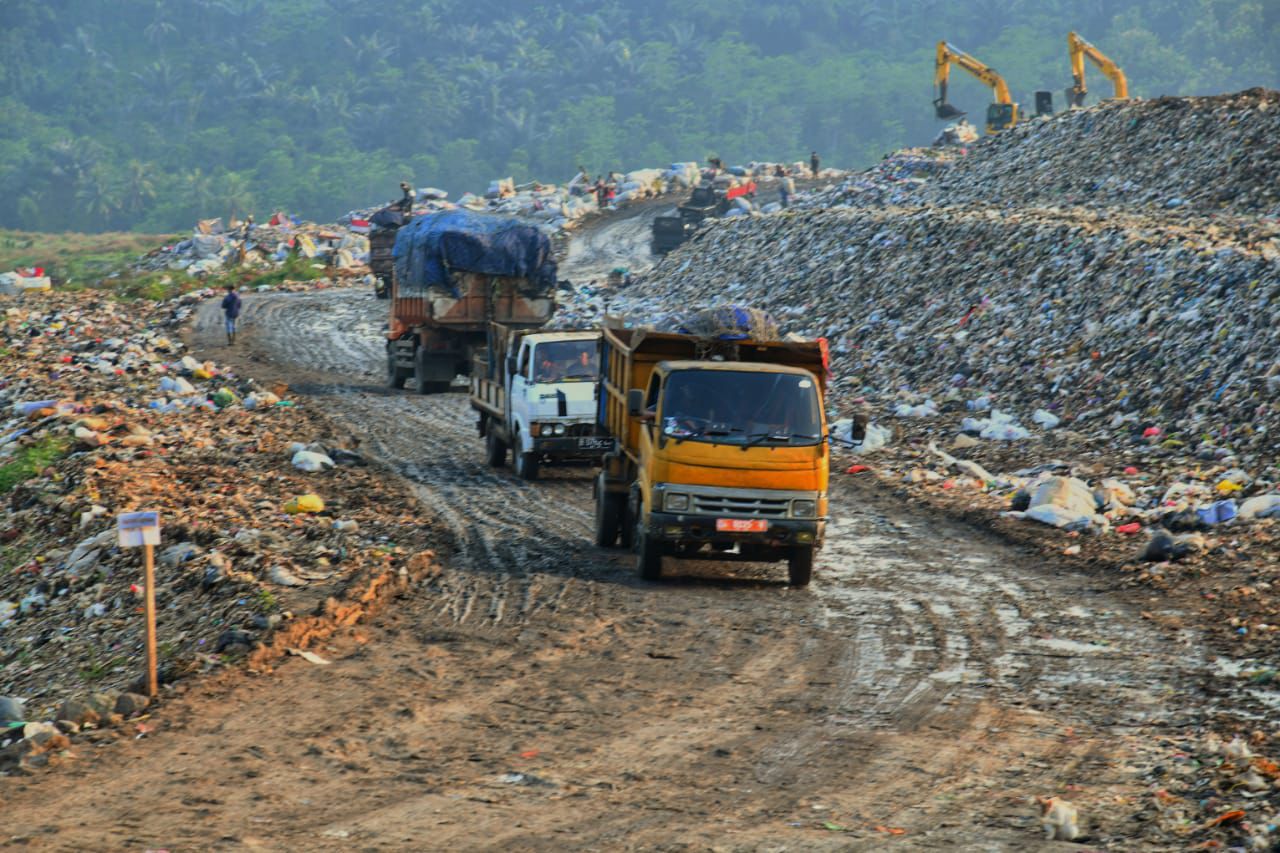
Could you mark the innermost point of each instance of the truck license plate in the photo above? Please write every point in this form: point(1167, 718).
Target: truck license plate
point(595, 443)
point(741, 525)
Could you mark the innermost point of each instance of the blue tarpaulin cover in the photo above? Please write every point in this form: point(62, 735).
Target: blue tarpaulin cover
point(428, 247)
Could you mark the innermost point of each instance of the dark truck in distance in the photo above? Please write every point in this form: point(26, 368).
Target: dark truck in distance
point(455, 273)
point(710, 199)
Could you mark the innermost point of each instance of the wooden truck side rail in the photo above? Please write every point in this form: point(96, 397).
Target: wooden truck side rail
point(488, 372)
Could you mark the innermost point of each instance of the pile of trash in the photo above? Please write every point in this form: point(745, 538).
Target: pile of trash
point(24, 279)
point(1202, 153)
point(264, 514)
point(898, 179)
point(1211, 792)
point(1109, 325)
point(214, 246)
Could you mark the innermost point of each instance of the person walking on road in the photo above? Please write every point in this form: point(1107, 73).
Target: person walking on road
point(786, 186)
point(814, 162)
point(231, 310)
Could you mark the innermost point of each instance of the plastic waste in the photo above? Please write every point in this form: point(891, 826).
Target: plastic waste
point(1219, 512)
point(304, 504)
point(926, 409)
point(311, 462)
point(1046, 419)
point(1261, 506)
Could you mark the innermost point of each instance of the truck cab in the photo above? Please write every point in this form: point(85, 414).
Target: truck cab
point(538, 399)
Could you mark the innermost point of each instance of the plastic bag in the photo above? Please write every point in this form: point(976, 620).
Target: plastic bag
point(304, 503)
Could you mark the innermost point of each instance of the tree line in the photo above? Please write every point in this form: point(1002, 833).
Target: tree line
point(148, 114)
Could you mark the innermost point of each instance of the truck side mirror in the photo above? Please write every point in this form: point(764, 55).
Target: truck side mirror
point(511, 365)
point(635, 402)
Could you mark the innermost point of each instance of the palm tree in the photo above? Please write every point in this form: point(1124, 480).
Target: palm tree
point(138, 187)
point(234, 194)
point(97, 197)
point(199, 189)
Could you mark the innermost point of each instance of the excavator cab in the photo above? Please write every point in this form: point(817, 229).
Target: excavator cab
point(1001, 117)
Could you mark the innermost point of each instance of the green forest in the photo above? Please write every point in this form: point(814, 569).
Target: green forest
point(147, 114)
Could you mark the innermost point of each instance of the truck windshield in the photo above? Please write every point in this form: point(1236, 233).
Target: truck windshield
point(741, 407)
point(566, 361)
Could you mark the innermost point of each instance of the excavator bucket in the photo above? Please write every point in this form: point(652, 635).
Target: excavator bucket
point(946, 111)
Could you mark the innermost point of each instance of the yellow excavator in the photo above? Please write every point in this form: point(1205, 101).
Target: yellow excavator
point(1080, 50)
point(1002, 114)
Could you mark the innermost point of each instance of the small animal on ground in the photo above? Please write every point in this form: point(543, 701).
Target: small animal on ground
point(1059, 819)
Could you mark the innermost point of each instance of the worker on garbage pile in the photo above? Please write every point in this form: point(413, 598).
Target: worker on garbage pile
point(786, 186)
point(814, 162)
point(602, 193)
point(409, 197)
point(246, 232)
point(231, 309)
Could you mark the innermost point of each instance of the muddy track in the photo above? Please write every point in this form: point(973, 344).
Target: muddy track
point(929, 680)
point(536, 695)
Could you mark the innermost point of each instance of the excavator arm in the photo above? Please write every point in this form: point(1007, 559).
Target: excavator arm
point(1080, 50)
point(1002, 113)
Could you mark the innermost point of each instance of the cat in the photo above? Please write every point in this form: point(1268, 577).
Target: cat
point(1059, 819)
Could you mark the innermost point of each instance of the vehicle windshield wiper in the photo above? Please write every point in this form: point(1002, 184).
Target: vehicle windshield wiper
point(759, 437)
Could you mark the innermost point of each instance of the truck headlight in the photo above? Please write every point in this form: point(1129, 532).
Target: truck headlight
point(675, 502)
point(804, 509)
point(558, 429)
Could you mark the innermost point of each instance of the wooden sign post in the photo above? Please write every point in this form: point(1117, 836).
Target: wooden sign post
point(143, 528)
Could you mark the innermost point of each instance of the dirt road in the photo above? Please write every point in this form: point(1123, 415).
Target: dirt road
point(536, 695)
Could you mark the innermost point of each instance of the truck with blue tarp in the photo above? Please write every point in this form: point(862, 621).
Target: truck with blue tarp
point(455, 273)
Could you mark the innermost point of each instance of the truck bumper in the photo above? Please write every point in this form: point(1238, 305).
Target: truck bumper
point(681, 527)
point(575, 447)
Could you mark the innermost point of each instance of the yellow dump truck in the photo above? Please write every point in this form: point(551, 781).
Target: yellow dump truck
point(722, 450)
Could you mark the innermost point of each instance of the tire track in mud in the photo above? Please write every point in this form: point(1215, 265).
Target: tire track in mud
point(919, 645)
point(968, 629)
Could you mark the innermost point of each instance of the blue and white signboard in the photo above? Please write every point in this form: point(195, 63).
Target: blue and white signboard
point(138, 528)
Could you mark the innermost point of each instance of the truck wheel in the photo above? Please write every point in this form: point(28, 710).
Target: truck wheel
point(495, 449)
point(395, 379)
point(526, 464)
point(626, 530)
point(421, 384)
point(648, 555)
point(610, 508)
point(800, 566)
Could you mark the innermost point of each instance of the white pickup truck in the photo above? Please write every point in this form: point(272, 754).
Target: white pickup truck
point(536, 395)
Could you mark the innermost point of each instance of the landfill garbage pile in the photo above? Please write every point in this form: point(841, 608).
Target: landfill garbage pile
point(214, 246)
point(1021, 336)
point(1214, 792)
point(898, 179)
point(264, 514)
point(343, 247)
point(1181, 155)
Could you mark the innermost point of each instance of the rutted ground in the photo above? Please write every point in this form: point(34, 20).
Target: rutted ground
point(535, 693)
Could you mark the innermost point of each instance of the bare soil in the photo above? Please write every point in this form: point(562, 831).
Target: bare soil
point(536, 694)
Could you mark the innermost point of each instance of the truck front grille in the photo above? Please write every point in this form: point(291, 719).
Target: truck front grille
point(741, 506)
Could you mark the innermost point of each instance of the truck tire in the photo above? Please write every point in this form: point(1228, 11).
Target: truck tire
point(396, 375)
point(526, 465)
point(610, 509)
point(648, 555)
point(800, 565)
point(495, 449)
point(421, 383)
point(395, 379)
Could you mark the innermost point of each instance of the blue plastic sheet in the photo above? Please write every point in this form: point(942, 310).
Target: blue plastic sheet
point(431, 246)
